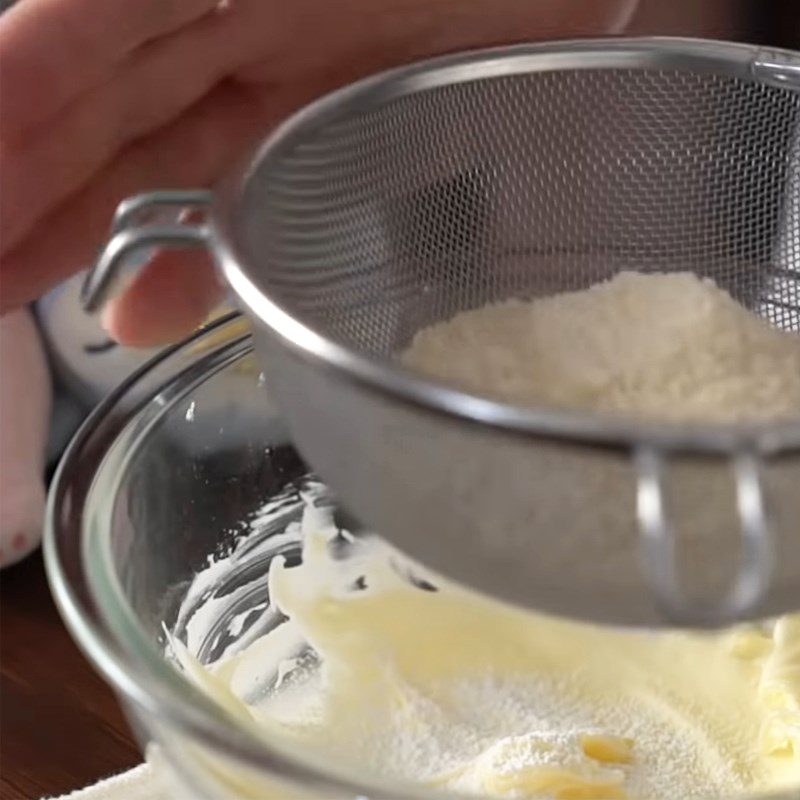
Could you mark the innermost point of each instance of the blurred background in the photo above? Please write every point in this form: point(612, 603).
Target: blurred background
point(768, 22)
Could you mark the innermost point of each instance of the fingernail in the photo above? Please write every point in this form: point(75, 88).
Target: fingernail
point(107, 317)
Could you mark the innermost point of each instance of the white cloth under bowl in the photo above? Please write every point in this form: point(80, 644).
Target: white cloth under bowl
point(136, 784)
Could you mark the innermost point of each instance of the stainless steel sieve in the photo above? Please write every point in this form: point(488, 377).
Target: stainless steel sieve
point(524, 171)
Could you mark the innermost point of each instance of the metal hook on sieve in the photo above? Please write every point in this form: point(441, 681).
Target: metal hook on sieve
point(131, 232)
point(658, 549)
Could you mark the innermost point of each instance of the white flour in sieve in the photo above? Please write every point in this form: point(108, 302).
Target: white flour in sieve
point(663, 345)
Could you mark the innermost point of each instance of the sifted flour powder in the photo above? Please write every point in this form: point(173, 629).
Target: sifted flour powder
point(662, 345)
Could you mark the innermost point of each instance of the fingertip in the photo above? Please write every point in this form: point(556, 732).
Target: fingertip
point(171, 296)
point(108, 319)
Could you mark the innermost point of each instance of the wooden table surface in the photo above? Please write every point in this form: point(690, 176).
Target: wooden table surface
point(61, 728)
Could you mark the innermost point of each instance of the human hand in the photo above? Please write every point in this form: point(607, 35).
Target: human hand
point(100, 101)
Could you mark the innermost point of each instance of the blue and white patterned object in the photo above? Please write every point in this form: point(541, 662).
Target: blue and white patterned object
point(85, 362)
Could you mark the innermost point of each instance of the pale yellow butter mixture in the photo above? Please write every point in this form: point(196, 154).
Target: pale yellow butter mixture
point(452, 690)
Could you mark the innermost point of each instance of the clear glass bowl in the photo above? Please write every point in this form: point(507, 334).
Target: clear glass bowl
point(169, 474)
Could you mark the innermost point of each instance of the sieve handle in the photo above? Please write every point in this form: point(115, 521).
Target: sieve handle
point(133, 229)
point(659, 545)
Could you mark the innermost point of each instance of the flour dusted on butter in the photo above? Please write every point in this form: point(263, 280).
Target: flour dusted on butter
point(535, 765)
point(779, 688)
point(668, 346)
point(416, 680)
